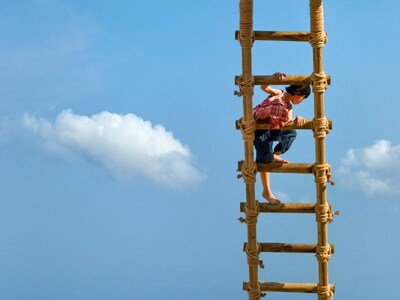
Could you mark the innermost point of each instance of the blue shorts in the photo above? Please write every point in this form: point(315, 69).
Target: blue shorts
point(264, 140)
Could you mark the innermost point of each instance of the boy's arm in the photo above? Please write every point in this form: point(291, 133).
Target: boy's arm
point(270, 90)
point(298, 120)
point(290, 114)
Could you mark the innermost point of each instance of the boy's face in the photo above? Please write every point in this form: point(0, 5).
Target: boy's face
point(296, 99)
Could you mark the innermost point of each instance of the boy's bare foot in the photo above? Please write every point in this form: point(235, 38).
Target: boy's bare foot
point(277, 158)
point(271, 199)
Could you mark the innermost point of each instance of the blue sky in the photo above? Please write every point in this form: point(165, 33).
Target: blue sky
point(119, 151)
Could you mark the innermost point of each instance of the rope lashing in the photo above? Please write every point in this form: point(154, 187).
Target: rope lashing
point(255, 293)
point(249, 173)
point(246, 87)
point(252, 256)
point(251, 214)
point(246, 34)
point(320, 127)
point(324, 253)
point(322, 173)
point(246, 40)
point(324, 292)
point(324, 213)
point(318, 39)
point(318, 36)
point(247, 128)
point(319, 82)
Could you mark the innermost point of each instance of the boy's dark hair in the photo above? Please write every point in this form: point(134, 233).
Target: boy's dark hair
point(299, 90)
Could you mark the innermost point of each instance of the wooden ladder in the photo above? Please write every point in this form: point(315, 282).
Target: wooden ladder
point(321, 170)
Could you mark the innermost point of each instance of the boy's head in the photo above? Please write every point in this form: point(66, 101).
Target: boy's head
point(298, 90)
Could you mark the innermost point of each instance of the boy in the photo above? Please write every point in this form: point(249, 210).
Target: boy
point(277, 109)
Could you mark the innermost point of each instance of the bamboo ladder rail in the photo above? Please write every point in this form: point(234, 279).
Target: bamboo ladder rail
point(321, 170)
point(246, 85)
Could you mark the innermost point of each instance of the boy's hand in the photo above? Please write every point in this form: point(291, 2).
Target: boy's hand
point(279, 75)
point(299, 121)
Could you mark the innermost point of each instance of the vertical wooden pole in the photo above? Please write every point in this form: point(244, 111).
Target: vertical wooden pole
point(246, 84)
point(317, 40)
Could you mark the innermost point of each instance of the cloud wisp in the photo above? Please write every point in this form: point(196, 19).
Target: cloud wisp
point(126, 145)
point(374, 170)
point(52, 55)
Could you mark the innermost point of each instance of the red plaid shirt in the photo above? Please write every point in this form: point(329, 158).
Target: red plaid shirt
point(274, 111)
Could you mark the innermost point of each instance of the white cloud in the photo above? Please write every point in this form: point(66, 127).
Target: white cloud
point(126, 145)
point(375, 170)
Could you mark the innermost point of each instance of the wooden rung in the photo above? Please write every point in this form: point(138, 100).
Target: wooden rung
point(279, 36)
point(288, 80)
point(274, 167)
point(289, 125)
point(289, 248)
point(288, 287)
point(284, 207)
point(300, 168)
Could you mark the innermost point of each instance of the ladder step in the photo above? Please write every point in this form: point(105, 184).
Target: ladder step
point(287, 287)
point(289, 125)
point(274, 167)
point(279, 36)
point(284, 207)
point(288, 80)
point(289, 248)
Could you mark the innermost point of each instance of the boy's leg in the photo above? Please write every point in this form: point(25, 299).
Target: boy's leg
point(285, 139)
point(263, 142)
point(267, 193)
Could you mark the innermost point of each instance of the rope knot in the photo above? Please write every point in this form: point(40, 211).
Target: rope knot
point(247, 128)
point(253, 256)
point(319, 82)
point(255, 292)
point(324, 291)
point(251, 214)
point(322, 173)
point(320, 127)
point(318, 39)
point(324, 213)
point(248, 173)
point(318, 36)
point(324, 253)
point(246, 87)
point(246, 39)
point(246, 35)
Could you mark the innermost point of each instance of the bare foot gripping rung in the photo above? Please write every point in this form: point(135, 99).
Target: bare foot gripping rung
point(283, 207)
point(274, 167)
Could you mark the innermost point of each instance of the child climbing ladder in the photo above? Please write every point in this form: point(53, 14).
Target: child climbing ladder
point(276, 110)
